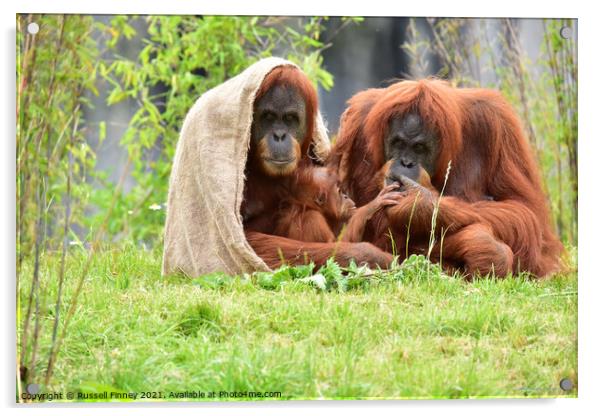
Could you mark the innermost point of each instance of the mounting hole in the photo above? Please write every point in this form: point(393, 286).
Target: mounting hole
point(33, 388)
point(33, 28)
point(566, 384)
point(566, 32)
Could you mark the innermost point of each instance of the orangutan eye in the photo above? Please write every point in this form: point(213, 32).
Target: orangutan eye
point(269, 116)
point(291, 118)
point(420, 148)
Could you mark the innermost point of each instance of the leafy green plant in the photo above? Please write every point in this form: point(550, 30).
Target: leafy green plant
point(55, 68)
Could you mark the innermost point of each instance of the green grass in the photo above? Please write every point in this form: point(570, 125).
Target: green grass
point(410, 333)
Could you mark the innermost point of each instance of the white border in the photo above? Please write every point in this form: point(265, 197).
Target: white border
point(590, 276)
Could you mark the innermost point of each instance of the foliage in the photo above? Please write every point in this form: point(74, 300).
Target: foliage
point(54, 70)
point(329, 277)
point(489, 53)
point(489, 338)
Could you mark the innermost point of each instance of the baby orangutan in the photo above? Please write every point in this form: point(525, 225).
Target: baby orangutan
point(316, 210)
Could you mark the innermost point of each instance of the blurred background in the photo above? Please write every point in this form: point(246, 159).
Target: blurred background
point(101, 100)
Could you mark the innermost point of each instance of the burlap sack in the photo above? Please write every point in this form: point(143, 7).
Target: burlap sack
point(203, 229)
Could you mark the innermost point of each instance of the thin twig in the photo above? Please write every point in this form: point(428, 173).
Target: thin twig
point(57, 308)
point(35, 283)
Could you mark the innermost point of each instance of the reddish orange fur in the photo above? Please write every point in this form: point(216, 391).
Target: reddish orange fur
point(262, 194)
point(494, 182)
point(438, 110)
point(296, 252)
point(310, 210)
point(314, 210)
point(263, 151)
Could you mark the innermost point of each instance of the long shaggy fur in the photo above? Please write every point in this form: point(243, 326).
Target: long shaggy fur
point(494, 179)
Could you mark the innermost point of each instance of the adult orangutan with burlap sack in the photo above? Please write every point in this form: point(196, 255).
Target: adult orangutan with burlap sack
point(239, 147)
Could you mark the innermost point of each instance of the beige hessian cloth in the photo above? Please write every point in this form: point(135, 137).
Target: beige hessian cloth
point(203, 229)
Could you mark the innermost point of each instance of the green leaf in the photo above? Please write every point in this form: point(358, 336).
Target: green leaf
point(332, 273)
point(213, 280)
point(102, 132)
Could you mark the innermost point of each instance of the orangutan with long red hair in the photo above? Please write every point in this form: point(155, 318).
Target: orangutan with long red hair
point(283, 122)
point(486, 211)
